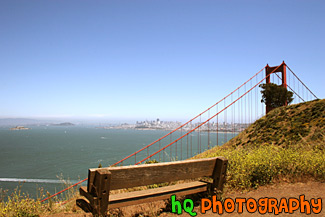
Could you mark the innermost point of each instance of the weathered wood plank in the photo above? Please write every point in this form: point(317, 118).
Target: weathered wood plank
point(84, 205)
point(150, 195)
point(83, 192)
point(102, 182)
point(91, 176)
point(148, 174)
point(219, 174)
point(155, 191)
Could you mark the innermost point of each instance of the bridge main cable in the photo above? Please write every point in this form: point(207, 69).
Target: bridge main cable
point(210, 117)
point(187, 121)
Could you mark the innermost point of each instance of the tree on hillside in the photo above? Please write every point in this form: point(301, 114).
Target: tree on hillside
point(275, 95)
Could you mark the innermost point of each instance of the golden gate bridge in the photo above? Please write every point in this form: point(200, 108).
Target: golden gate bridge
point(220, 122)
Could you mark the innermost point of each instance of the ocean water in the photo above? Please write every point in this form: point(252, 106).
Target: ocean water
point(36, 158)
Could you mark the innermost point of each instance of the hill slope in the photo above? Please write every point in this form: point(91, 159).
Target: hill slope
point(286, 126)
point(289, 126)
point(287, 143)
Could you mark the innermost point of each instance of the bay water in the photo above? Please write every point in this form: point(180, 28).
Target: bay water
point(44, 155)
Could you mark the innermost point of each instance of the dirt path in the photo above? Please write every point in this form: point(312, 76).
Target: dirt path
point(278, 191)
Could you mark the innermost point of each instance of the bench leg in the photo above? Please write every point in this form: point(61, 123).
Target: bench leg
point(102, 182)
point(219, 175)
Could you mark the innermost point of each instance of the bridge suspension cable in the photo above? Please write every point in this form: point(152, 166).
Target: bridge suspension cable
point(302, 82)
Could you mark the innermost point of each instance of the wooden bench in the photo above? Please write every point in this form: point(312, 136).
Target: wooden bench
point(102, 180)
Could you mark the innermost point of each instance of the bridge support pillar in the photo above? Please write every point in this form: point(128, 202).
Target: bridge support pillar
point(274, 69)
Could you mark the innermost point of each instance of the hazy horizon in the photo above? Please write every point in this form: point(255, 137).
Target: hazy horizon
point(75, 120)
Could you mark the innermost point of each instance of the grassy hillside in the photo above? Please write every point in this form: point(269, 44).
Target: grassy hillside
point(287, 126)
point(288, 143)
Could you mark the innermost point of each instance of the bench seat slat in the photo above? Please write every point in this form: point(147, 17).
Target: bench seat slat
point(84, 204)
point(83, 192)
point(149, 195)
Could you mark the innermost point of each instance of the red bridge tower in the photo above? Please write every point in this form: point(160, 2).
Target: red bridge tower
point(274, 69)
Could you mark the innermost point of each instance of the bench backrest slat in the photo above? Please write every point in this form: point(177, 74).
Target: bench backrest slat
point(148, 174)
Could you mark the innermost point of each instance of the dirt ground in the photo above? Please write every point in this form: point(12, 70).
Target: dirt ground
point(281, 190)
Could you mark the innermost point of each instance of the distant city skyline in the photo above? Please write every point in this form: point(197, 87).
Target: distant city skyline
point(137, 60)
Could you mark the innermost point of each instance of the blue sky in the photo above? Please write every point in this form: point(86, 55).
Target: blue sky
point(143, 59)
